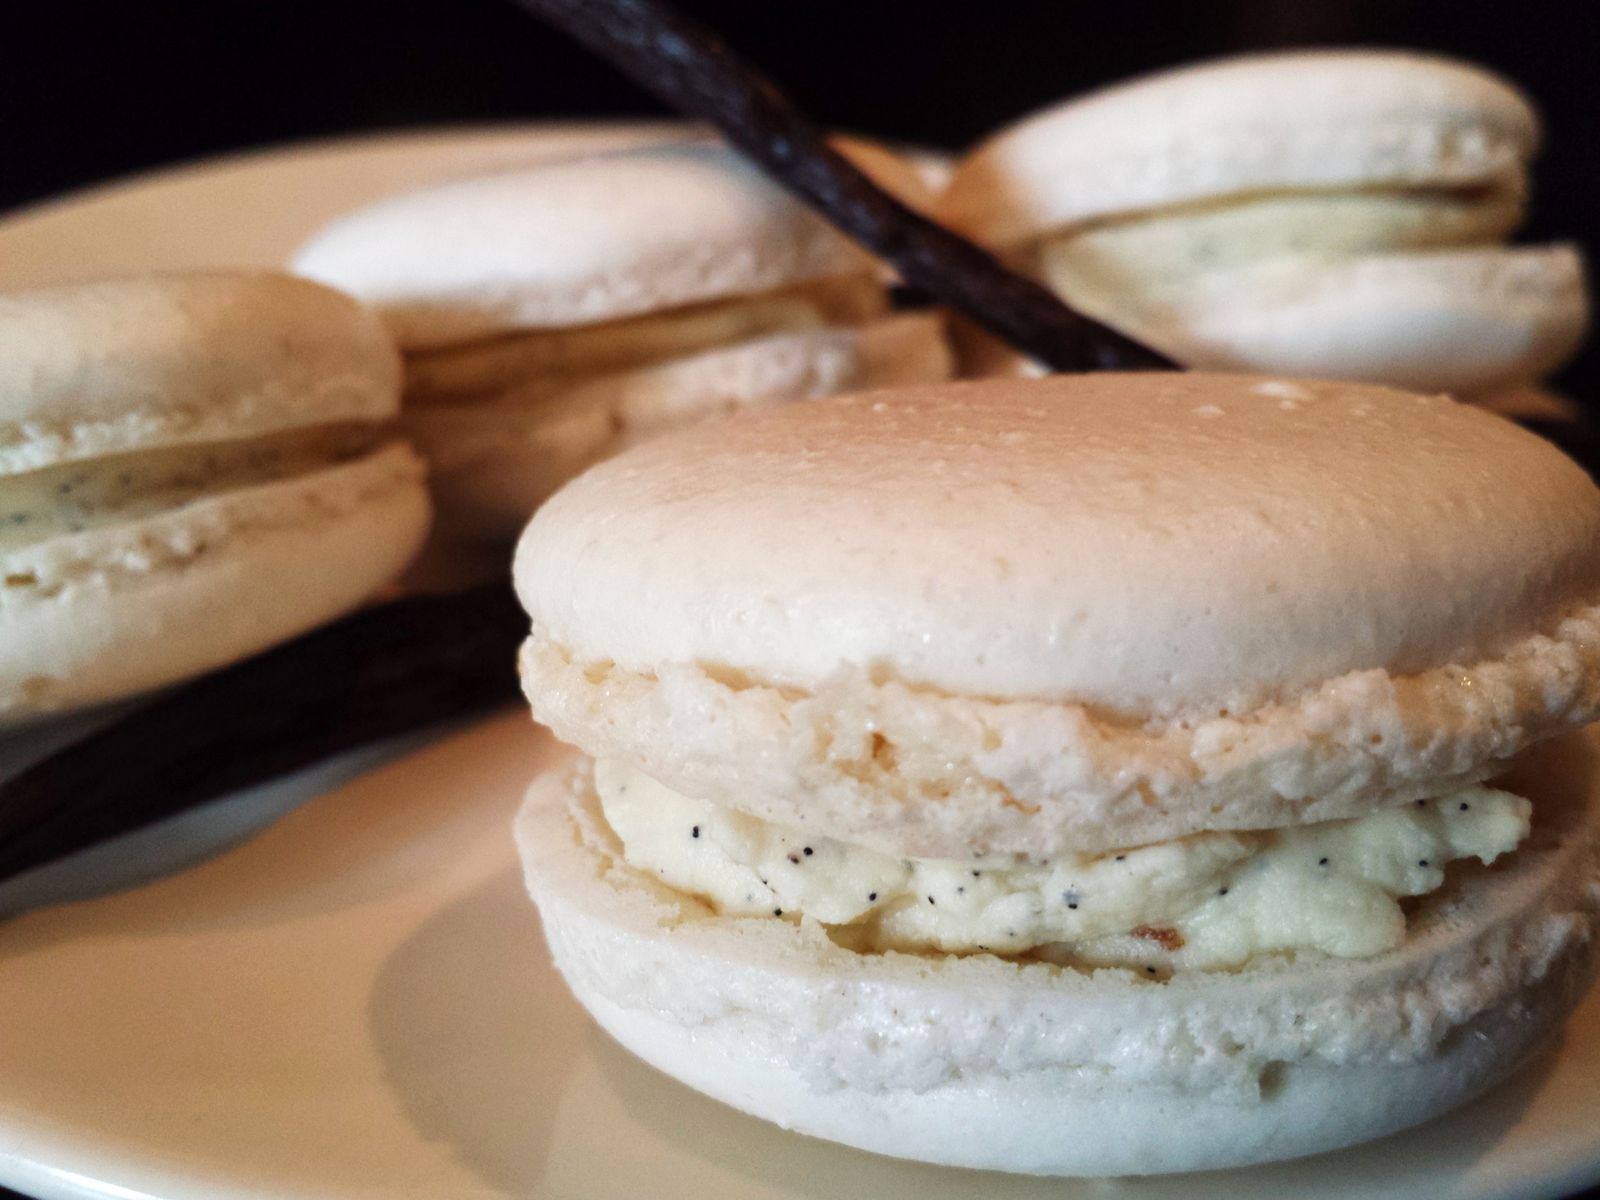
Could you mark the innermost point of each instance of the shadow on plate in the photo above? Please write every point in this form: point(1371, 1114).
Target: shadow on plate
point(467, 1045)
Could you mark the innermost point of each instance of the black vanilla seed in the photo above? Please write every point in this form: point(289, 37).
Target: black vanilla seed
point(695, 832)
point(807, 852)
point(872, 895)
point(1322, 862)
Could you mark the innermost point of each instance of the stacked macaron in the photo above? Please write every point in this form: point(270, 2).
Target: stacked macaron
point(1096, 775)
point(553, 315)
point(1339, 214)
point(193, 468)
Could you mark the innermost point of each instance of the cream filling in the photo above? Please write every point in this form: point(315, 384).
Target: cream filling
point(95, 493)
point(1171, 252)
point(1207, 901)
point(544, 362)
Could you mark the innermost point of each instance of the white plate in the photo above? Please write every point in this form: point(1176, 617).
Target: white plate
point(356, 1002)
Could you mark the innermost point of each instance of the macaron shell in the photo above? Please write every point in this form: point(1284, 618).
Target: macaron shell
point(1150, 545)
point(907, 770)
point(982, 1062)
point(103, 368)
point(494, 462)
point(1067, 1123)
point(1321, 119)
point(112, 612)
point(1460, 321)
point(579, 241)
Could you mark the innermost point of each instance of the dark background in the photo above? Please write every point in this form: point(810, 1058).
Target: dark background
point(90, 90)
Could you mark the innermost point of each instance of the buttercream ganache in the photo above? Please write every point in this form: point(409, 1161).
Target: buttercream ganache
point(1210, 900)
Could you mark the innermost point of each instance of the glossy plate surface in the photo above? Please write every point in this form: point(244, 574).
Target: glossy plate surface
point(355, 1000)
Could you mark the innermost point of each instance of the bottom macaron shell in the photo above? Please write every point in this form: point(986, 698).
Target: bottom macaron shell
point(1073, 1123)
point(980, 1062)
point(1447, 320)
point(113, 612)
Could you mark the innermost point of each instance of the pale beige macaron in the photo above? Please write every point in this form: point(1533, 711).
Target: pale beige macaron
point(193, 467)
point(554, 315)
point(1092, 775)
point(1333, 213)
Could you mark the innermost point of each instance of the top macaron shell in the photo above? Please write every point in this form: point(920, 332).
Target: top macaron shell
point(1151, 546)
point(1322, 119)
point(94, 369)
point(583, 240)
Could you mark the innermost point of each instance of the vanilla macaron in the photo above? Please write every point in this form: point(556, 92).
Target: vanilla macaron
point(193, 467)
point(1333, 213)
point(553, 315)
point(1095, 775)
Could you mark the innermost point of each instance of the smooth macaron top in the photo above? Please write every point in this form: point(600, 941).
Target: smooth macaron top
point(577, 241)
point(128, 364)
point(1307, 120)
point(1155, 545)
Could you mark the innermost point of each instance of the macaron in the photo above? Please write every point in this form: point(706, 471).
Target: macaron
point(193, 468)
point(1332, 213)
point(551, 316)
point(1093, 775)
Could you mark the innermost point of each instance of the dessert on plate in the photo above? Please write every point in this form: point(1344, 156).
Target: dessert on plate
point(1331, 213)
point(194, 467)
point(1096, 775)
point(553, 315)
